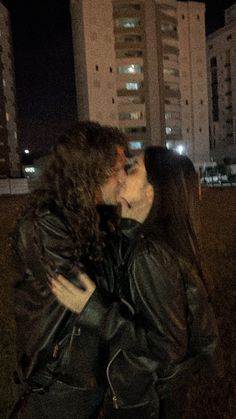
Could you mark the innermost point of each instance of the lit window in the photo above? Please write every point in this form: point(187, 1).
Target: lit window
point(170, 72)
point(172, 115)
point(4, 82)
point(168, 130)
point(133, 86)
point(168, 27)
point(130, 69)
point(130, 116)
point(136, 145)
point(29, 170)
point(180, 149)
point(128, 23)
point(7, 116)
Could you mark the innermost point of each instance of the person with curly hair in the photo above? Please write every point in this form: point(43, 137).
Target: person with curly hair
point(170, 333)
point(60, 365)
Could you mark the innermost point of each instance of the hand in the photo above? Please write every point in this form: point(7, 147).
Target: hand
point(69, 295)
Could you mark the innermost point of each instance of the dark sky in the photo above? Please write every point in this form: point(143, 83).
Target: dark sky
point(43, 52)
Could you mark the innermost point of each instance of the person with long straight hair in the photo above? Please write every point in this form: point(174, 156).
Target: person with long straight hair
point(171, 332)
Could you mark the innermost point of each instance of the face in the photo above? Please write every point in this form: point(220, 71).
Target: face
point(111, 188)
point(136, 194)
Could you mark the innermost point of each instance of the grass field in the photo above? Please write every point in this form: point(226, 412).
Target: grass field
point(208, 399)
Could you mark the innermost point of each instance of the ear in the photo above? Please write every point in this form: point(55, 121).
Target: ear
point(150, 193)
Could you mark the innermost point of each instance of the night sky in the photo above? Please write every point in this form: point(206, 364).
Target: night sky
point(43, 52)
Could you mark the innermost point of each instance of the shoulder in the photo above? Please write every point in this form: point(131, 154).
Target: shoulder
point(42, 219)
point(152, 248)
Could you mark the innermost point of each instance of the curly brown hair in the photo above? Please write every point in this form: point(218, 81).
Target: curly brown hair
point(82, 159)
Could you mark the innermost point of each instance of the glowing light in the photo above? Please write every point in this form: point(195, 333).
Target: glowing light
point(26, 151)
point(180, 149)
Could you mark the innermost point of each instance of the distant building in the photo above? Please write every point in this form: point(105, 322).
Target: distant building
point(221, 51)
point(94, 57)
point(9, 157)
point(193, 79)
point(150, 49)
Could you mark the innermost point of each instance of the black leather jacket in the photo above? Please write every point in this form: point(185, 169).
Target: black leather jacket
point(171, 332)
point(50, 342)
point(155, 330)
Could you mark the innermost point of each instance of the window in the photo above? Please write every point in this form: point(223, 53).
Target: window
point(198, 17)
point(131, 99)
point(186, 102)
point(201, 102)
point(128, 38)
point(128, 23)
point(97, 68)
point(168, 130)
point(134, 85)
point(124, 116)
point(136, 145)
point(111, 69)
point(200, 130)
point(229, 37)
point(171, 72)
point(213, 62)
point(128, 54)
point(168, 27)
point(126, 7)
point(130, 69)
point(113, 100)
point(135, 130)
point(172, 115)
point(172, 86)
point(183, 17)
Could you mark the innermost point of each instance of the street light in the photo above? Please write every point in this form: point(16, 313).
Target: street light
point(26, 151)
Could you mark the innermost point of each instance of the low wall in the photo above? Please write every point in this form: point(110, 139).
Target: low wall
point(14, 186)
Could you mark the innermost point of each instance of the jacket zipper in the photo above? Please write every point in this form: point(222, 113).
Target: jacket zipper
point(114, 397)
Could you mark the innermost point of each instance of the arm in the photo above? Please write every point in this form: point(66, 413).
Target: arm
point(145, 343)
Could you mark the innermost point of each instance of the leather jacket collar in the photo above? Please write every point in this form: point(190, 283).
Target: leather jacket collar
point(130, 228)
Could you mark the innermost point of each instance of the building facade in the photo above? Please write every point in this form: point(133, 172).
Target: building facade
point(94, 57)
point(149, 82)
point(9, 157)
point(221, 51)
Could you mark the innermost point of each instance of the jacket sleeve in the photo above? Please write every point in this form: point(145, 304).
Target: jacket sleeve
point(43, 246)
point(158, 293)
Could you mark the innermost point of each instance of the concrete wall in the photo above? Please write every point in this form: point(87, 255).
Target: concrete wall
point(14, 186)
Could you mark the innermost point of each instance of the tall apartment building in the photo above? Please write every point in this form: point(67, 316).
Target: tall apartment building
point(95, 63)
point(193, 79)
point(9, 157)
point(221, 51)
point(149, 70)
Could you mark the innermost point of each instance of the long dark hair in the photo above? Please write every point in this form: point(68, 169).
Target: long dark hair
point(174, 212)
point(78, 164)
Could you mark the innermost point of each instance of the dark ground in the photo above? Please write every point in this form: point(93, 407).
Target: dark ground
point(208, 399)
